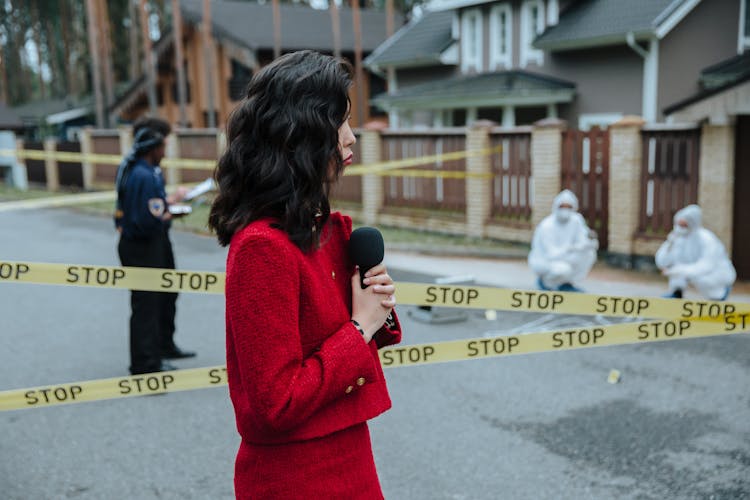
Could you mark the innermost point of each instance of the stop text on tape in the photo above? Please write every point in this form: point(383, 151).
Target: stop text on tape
point(390, 357)
point(419, 294)
point(131, 278)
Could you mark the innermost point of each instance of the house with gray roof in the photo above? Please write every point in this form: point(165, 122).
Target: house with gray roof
point(242, 41)
point(589, 62)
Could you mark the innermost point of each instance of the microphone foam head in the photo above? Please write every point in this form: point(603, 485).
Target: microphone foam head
point(366, 248)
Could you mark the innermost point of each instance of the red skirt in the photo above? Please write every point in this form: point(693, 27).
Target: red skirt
point(337, 466)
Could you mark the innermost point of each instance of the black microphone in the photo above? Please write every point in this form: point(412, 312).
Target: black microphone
point(366, 250)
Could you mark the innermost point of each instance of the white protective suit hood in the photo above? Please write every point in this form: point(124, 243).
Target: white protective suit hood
point(567, 197)
point(692, 214)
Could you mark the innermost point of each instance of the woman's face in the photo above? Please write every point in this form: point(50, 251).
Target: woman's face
point(346, 141)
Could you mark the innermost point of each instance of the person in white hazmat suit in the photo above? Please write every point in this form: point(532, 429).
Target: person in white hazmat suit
point(563, 248)
point(693, 255)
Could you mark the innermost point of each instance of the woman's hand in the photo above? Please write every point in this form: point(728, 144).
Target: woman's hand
point(371, 306)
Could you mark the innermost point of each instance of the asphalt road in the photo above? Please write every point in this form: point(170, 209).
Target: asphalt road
point(543, 426)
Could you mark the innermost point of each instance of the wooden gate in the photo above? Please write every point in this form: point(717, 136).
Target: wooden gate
point(585, 171)
point(740, 239)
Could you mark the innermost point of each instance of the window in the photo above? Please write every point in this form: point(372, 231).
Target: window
point(532, 25)
point(744, 38)
point(501, 37)
point(471, 41)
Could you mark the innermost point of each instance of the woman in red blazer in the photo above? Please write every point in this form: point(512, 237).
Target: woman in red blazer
point(302, 335)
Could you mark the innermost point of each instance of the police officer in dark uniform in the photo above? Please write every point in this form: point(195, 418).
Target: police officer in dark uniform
point(143, 219)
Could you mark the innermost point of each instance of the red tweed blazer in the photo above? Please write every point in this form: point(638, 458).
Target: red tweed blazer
point(297, 368)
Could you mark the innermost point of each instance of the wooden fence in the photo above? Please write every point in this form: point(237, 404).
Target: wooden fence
point(669, 176)
point(512, 183)
point(422, 192)
point(585, 171)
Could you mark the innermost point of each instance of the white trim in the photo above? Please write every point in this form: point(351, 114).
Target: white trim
point(528, 52)
point(743, 42)
point(509, 116)
point(651, 81)
point(588, 120)
point(675, 17)
point(471, 18)
point(553, 12)
point(438, 5)
point(500, 60)
point(471, 115)
point(69, 114)
point(450, 55)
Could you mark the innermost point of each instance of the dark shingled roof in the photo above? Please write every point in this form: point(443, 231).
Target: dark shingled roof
point(716, 79)
point(302, 27)
point(419, 42)
point(478, 88)
point(9, 120)
point(599, 22)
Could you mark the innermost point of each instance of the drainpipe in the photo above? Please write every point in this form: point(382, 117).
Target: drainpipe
point(650, 75)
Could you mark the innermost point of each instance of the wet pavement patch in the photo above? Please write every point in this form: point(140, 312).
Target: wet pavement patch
point(629, 440)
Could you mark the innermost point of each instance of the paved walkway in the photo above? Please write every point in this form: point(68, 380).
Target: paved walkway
point(515, 273)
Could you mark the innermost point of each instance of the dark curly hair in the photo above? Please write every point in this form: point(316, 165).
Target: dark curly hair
point(282, 140)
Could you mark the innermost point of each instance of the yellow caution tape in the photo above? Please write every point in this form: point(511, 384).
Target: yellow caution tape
point(130, 278)
point(480, 297)
point(409, 355)
point(378, 168)
point(57, 201)
point(419, 294)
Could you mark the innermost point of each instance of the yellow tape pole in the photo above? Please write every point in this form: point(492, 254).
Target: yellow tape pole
point(410, 355)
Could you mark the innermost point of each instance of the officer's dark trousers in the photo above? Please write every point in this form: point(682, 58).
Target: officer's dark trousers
point(152, 313)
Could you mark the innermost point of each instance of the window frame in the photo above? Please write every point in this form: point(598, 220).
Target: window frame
point(500, 60)
point(528, 52)
point(468, 18)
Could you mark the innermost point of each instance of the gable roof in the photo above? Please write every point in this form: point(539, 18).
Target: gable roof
point(590, 23)
point(484, 89)
point(250, 24)
point(419, 43)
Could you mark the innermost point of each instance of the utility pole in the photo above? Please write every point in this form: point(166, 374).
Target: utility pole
point(209, 60)
point(135, 68)
point(358, 62)
point(336, 27)
point(106, 48)
point(94, 52)
point(179, 61)
point(148, 54)
point(388, 18)
point(3, 78)
point(276, 28)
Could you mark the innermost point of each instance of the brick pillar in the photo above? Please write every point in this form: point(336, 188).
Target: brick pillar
point(87, 166)
point(546, 165)
point(372, 185)
point(221, 143)
point(50, 164)
point(19, 175)
point(625, 150)
point(477, 188)
point(126, 140)
point(174, 175)
point(716, 180)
